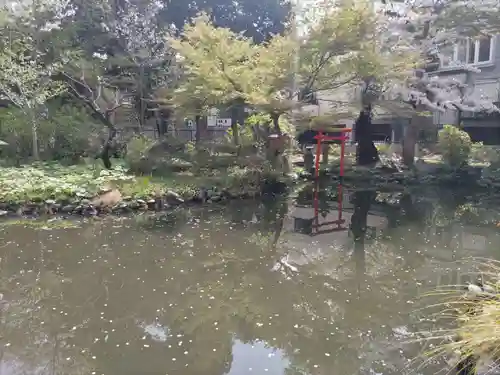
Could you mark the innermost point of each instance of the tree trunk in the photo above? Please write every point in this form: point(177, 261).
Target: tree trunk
point(198, 130)
point(276, 123)
point(108, 147)
point(366, 152)
point(418, 121)
point(237, 118)
point(409, 142)
point(236, 133)
point(34, 134)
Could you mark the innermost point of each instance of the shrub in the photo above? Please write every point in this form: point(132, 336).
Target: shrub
point(485, 154)
point(64, 133)
point(455, 145)
point(384, 148)
point(137, 149)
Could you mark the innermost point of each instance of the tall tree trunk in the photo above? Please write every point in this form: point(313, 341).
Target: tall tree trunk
point(409, 142)
point(107, 119)
point(275, 117)
point(420, 120)
point(237, 118)
point(34, 135)
point(198, 130)
point(366, 152)
point(108, 147)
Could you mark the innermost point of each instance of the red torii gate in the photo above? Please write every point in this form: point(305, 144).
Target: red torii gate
point(343, 137)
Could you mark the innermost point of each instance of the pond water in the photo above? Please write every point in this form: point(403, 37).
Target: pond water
point(271, 287)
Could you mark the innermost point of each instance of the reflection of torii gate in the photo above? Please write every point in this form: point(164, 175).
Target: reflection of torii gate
point(316, 226)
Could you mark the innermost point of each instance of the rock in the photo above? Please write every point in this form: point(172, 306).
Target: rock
point(127, 198)
point(104, 210)
point(85, 202)
point(89, 211)
point(173, 198)
point(109, 199)
point(105, 189)
point(3, 213)
point(134, 205)
point(216, 198)
point(68, 208)
point(141, 201)
point(203, 195)
point(50, 201)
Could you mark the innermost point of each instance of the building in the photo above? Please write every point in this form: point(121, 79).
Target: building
point(483, 53)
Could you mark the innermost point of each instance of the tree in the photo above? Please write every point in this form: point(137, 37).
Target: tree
point(258, 20)
point(344, 55)
point(271, 91)
point(129, 38)
point(430, 30)
point(143, 61)
point(218, 66)
point(100, 97)
point(26, 79)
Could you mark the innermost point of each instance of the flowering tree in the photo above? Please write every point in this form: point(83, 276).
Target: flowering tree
point(429, 28)
point(26, 77)
point(144, 61)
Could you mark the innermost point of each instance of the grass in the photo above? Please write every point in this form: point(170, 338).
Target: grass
point(475, 319)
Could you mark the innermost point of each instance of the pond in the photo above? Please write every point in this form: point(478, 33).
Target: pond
point(278, 286)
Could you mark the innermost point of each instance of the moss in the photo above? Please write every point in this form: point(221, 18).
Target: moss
point(40, 224)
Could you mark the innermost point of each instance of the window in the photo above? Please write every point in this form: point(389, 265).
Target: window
point(469, 51)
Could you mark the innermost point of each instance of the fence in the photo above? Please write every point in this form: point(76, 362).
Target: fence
point(189, 135)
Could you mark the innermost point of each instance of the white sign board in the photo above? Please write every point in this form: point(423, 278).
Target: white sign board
point(211, 121)
point(223, 122)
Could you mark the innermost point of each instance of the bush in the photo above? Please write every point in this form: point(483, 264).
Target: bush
point(383, 148)
point(455, 145)
point(137, 150)
point(485, 154)
point(64, 133)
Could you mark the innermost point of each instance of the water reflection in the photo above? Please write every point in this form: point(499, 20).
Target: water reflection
point(291, 286)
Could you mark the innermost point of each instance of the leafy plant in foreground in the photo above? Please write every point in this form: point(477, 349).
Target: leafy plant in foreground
point(455, 145)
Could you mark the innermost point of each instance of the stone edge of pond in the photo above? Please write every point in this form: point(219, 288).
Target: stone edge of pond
point(83, 207)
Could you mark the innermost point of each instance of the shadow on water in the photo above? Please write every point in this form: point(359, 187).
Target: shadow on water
point(326, 279)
